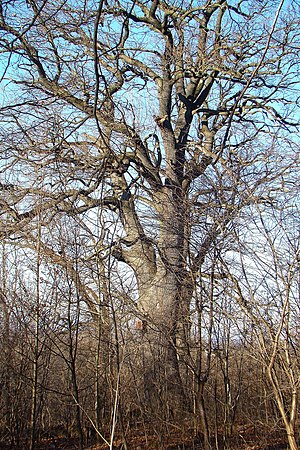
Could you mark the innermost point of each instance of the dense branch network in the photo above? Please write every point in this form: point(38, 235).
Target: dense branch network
point(168, 159)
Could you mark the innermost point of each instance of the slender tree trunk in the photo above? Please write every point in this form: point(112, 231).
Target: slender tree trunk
point(36, 346)
point(78, 412)
point(97, 385)
point(292, 440)
point(34, 391)
point(73, 369)
point(7, 351)
point(102, 349)
point(203, 417)
point(289, 423)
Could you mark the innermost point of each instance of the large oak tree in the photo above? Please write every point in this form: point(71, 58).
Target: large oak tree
point(154, 124)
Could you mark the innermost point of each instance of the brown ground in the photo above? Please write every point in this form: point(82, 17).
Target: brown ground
point(244, 438)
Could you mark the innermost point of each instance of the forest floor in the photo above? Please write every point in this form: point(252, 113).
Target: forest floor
point(243, 438)
point(179, 444)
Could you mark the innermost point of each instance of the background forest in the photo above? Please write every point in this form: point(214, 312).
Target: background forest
point(149, 223)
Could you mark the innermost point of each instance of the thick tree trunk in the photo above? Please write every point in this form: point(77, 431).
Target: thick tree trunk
point(160, 299)
point(163, 383)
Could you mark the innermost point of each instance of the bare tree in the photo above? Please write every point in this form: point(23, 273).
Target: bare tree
point(170, 117)
point(267, 290)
